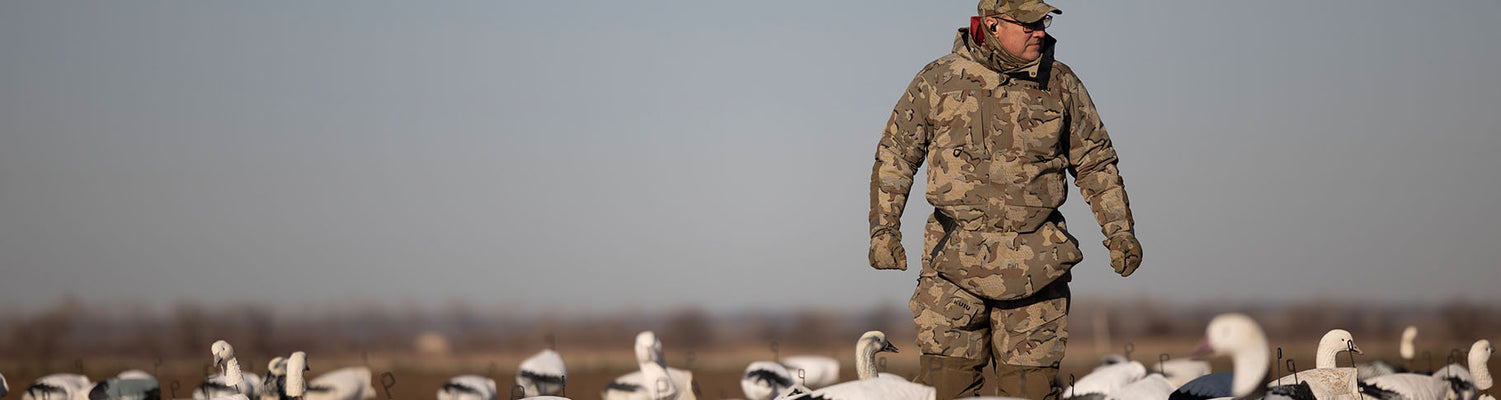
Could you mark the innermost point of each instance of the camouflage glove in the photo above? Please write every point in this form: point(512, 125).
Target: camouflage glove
point(1125, 252)
point(886, 251)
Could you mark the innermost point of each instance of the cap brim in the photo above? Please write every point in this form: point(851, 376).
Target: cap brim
point(1035, 15)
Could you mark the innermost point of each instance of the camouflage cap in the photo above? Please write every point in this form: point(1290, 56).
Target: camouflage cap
point(1021, 10)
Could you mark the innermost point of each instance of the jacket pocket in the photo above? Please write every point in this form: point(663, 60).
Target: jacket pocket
point(940, 303)
point(1008, 265)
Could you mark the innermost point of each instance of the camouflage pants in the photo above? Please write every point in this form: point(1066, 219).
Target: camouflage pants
point(952, 322)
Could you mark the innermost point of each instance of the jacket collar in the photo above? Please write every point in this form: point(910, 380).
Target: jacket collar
point(965, 46)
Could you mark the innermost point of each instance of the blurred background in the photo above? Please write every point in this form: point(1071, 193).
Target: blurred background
point(443, 187)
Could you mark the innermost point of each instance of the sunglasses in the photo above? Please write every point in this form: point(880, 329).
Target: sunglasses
point(1030, 27)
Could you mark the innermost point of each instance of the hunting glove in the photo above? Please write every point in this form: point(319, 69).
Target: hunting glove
point(1125, 252)
point(886, 251)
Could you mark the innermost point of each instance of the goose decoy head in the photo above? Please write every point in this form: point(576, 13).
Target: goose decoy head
point(222, 352)
point(1342, 340)
point(877, 340)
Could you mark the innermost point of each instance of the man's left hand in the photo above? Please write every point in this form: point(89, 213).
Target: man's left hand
point(1125, 253)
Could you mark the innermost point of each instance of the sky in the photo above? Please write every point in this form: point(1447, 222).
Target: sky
point(587, 156)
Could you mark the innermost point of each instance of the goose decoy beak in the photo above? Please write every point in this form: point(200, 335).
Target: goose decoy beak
point(889, 347)
point(1203, 351)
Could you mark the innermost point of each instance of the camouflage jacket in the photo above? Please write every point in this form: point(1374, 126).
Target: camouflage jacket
point(997, 145)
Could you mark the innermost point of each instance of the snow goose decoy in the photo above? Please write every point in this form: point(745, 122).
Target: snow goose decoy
point(1404, 386)
point(295, 384)
point(654, 380)
point(1372, 369)
point(765, 380)
point(870, 343)
point(871, 385)
point(1466, 384)
point(1105, 380)
point(1179, 371)
point(128, 385)
point(468, 387)
point(126, 389)
point(59, 387)
point(1327, 380)
point(349, 383)
point(276, 379)
point(812, 371)
point(1153, 386)
point(1120, 380)
point(542, 374)
point(1411, 386)
point(799, 374)
point(1239, 337)
point(231, 380)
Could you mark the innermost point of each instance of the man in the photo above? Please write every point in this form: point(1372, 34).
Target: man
point(999, 122)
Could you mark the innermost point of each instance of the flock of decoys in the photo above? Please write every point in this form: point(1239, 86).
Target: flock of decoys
point(284, 380)
point(1235, 336)
point(1241, 339)
point(811, 377)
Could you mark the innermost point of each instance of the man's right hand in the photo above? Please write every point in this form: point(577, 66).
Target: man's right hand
point(886, 251)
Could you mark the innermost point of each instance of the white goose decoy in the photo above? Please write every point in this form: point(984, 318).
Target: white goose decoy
point(1327, 380)
point(1153, 386)
point(295, 384)
point(4, 387)
point(1372, 369)
point(231, 381)
point(1404, 386)
point(1179, 371)
point(468, 387)
point(276, 379)
point(128, 385)
point(1466, 384)
point(812, 371)
point(871, 385)
point(126, 389)
point(1447, 383)
point(542, 374)
point(799, 374)
point(217, 386)
point(1239, 337)
point(59, 387)
point(1406, 348)
point(1105, 380)
point(349, 383)
point(765, 380)
point(654, 380)
point(627, 387)
point(1121, 380)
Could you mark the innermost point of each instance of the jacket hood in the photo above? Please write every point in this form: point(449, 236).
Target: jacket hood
point(965, 46)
